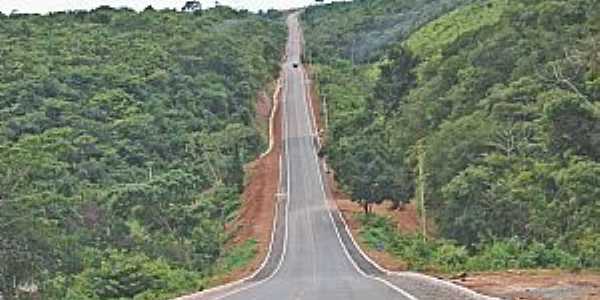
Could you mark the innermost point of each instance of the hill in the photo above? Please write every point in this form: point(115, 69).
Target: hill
point(360, 30)
point(123, 137)
point(489, 113)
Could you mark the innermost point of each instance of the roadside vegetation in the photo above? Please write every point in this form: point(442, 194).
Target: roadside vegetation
point(123, 137)
point(488, 112)
point(441, 256)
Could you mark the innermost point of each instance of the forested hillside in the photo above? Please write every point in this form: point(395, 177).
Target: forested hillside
point(123, 137)
point(361, 30)
point(489, 113)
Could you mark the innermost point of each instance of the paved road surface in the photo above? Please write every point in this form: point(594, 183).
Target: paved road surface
point(315, 265)
point(307, 259)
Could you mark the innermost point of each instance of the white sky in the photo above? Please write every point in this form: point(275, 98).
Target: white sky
point(45, 6)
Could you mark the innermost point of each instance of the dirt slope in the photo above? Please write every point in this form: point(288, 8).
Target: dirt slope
point(256, 215)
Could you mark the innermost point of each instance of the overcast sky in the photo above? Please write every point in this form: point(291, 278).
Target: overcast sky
point(44, 6)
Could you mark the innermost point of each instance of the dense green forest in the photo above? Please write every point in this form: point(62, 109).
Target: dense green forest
point(489, 112)
point(362, 30)
point(123, 137)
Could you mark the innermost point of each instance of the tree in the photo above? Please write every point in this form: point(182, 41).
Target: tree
point(481, 206)
point(452, 149)
point(576, 204)
point(573, 124)
point(492, 107)
point(99, 148)
point(396, 81)
point(369, 177)
point(192, 6)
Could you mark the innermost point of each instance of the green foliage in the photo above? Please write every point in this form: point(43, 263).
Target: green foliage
point(119, 275)
point(573, 124)
point(395, 81)
point(440, 255)
point(453, 147)
point(126, 133)
point(587, 246)
point(443, 31)
point(238, 256)
point(510, 254)
point(493, 106)
point(367, 176)
point(576, 201)
point(361, 30)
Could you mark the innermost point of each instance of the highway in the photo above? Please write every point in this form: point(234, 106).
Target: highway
point(315, 264)
point(312, 255)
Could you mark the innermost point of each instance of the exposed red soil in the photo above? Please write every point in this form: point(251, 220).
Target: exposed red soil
point(513, 284)
point(535, 284)
point(405, 220)
point(382, 258)
point(517, 285)
point(405, 217)
point(255, 220)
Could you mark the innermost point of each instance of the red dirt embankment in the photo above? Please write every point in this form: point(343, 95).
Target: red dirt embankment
point(255, 220)
point(405, 219)
point(536, 284)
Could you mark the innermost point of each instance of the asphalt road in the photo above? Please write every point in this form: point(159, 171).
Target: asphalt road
point(313, 256)
point(315, 265)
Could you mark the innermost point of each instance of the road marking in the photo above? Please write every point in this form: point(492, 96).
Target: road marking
point(286, 212)
point(321, 183)
point(275, 219)
point(358, 269)
point(286, 230)
point(287, 204)
point(312, 119)
point(269, 254)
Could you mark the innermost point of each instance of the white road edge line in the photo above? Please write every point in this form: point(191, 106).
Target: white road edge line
point(358, 269)
point(287, 205)
point(241, 281)
point(412, 274)
point(288, 186)
point(322, 185)
point(365, 256)
point(274, 226)
point(377, 266)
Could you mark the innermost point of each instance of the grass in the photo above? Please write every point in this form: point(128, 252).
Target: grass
point(238, 257)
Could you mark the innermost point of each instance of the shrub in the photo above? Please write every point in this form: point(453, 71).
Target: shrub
point(450, 257)
point(496, 256)
point(238, 256)
point(127, 275)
